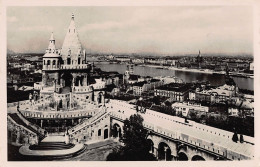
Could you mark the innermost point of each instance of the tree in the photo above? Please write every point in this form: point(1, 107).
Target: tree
point(136, 147)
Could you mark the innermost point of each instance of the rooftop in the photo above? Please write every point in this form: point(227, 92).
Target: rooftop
point(177, 87)
point(133, 77)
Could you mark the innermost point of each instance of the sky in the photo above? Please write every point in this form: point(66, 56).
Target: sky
point(159, 30)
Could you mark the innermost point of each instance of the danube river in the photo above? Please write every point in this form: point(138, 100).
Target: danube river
point(215, 80)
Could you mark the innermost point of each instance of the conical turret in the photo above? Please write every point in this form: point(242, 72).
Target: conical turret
point(71, 42)
point(52, 43)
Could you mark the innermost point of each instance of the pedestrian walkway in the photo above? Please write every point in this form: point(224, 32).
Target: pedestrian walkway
point(54, 138)
point(25, 150)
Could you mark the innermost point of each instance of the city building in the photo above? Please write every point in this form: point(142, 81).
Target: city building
point(186, 107)
point(140, 87)
point(169, 79)
point(175, 91)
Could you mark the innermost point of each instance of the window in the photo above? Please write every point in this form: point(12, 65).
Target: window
point(68, 61)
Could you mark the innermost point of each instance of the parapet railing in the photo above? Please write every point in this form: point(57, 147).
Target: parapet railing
point(68, 67)
point(58, 114)
point(201, 143)
point(33, 126)
point(87, 122)
point(20, 126)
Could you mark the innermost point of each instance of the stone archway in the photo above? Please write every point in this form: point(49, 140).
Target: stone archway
point(79, 80)
point(116, 131)
point(182, 156)
point(67, 78)
point(197, 158)
point(164, 152)
point(150, 145)
point(105, 133)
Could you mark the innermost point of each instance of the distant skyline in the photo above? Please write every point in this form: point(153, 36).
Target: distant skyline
point(158, 30)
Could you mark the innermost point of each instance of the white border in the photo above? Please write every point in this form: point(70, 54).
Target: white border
point(3, 123)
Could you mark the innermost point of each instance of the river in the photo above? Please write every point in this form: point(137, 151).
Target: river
point(215, 80)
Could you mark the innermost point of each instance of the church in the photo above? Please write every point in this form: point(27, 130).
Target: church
point(68, 90)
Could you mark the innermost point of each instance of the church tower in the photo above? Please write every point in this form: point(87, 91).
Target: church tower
point(51, 62)
point(71, 51)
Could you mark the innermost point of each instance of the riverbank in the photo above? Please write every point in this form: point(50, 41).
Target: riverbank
point(189, 75)
point(205, 71)
point(185, 69)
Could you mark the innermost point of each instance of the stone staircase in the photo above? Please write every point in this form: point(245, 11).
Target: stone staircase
point(16, 117)
point(84, 131)
point(51, 146)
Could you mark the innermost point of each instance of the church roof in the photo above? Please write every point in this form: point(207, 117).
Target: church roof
point(52, 42)
point(71, 42)
point(51, 52)
point(52, 38)
point(51, 55)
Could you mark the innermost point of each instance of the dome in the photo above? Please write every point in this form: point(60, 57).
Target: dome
point(51, 55)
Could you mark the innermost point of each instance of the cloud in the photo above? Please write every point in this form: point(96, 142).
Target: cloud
point(137, 29)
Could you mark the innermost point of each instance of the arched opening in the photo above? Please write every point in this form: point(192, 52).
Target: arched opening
point(150, 145)
point(116, 131)
point(100, 96)
point(93, 96)
point(79, 81)
point(44, 62)
point(48, 62)
point(68, 60)
point(164, 152)
point(79, 60)
point(105, 133)
point(68, 104)
point(99, 132)
point(60, 104)
point(67, 77)
point(53, 62)
point(182, 157)
point(197, 158)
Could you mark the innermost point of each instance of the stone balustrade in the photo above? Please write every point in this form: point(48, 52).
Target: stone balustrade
point(69, 67)
point(192, 133)
point(59, 114)
point(87, 122)
point(12, 125)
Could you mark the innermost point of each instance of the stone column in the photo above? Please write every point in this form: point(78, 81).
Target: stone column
point(17, 136)
point(41, 122)
point(103, 99)
point(165, 153)
point(156, 152)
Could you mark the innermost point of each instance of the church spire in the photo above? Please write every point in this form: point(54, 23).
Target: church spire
point(52, 38)
point(51, 43)
point(72, 16)
point(71, 41)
